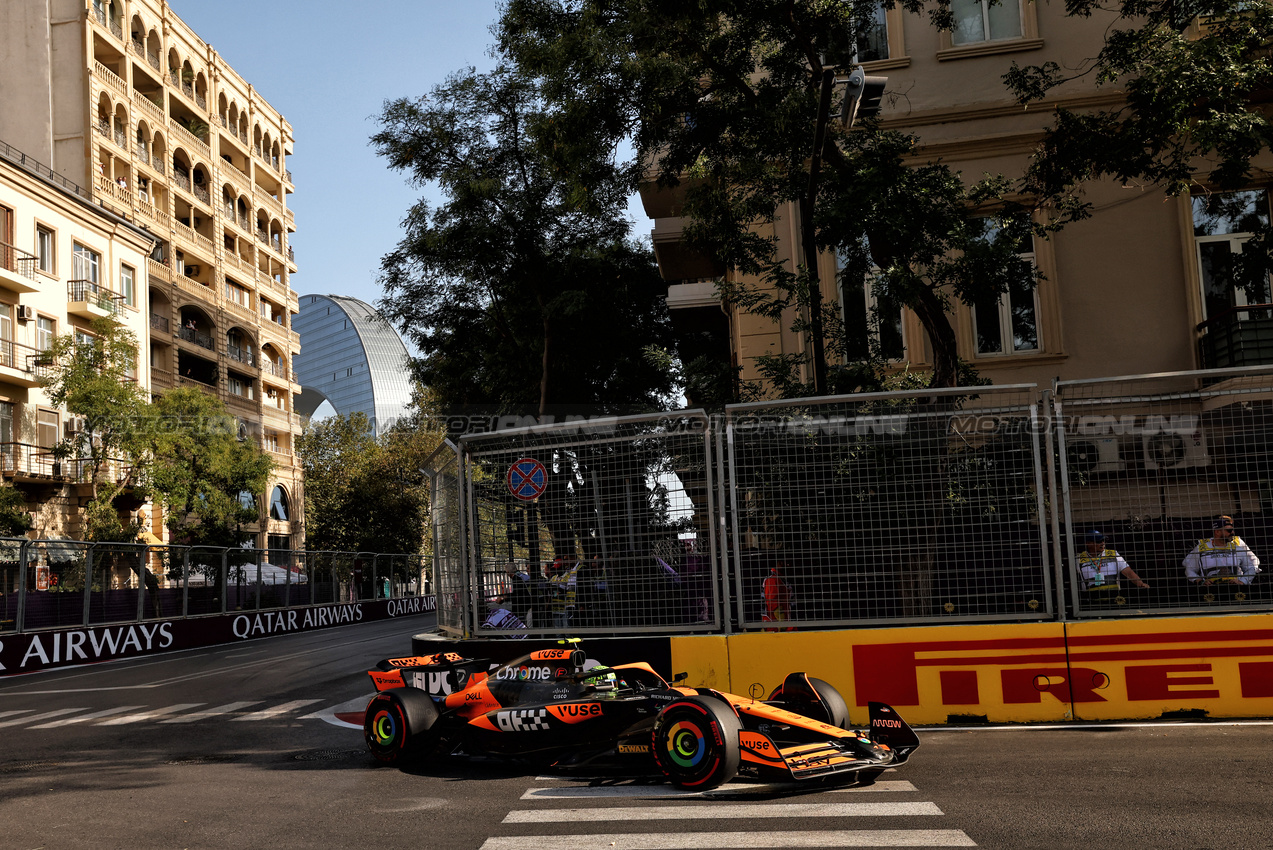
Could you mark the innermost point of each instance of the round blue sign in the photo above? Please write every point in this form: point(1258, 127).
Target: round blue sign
point(527, 479)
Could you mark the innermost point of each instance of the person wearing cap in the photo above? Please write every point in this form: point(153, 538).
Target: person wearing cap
point(1100, 567)
point(1223, 558)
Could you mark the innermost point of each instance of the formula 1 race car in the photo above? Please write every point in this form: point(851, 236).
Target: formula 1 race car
point(546, 708)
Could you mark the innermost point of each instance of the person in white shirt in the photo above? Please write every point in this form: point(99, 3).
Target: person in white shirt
point(1223, 559)
point(1100, 568)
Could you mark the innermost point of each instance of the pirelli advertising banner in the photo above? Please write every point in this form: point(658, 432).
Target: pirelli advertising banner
point(1136, 669)
point(31, 651)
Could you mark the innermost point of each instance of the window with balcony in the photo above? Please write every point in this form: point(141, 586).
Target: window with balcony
point(44, 245)
point(85, 263)
point(241, 387)
point(1231, 279)
point(238, 294)
point(1223, 222)
point(1009, 324)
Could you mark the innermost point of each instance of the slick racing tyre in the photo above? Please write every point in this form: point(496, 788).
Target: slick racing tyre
point(695, 742)
point(824, 704)
point(398, 724)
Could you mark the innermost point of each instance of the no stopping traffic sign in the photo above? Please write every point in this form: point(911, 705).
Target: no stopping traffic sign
point(527, 479)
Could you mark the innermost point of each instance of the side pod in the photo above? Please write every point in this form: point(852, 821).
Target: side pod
point(888, 727)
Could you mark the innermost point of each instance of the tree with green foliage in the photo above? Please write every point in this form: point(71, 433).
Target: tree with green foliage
point(94, 377)
point(201, 469)
point(523, 290)
point(722, 99)
point(15, 519)
point(366, 492)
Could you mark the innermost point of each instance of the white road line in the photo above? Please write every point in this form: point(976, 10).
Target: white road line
point(67, 721)
point(56, 713)
point(150, 715)
point(576, 792)
point(267, 713)
point(738, 840)
point(725, 810)
point(16, 711)
point(211, 712)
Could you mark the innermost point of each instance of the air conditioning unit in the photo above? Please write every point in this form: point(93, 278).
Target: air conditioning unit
point(1176, 451)
point(75, 425)
point(1095, 454)
point(192, 270)
point(25, 312)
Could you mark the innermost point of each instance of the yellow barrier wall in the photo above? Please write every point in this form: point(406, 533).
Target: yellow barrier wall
point(1031, 672)
point(1223, 665)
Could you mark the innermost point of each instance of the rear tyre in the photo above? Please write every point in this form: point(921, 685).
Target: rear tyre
point(695, 742)
point(398, 725)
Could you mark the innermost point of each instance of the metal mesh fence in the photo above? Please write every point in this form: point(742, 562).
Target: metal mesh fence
point(47, 584)
point(1150, 463)
point(602, 526)
point(447, 534)
point(919, 506)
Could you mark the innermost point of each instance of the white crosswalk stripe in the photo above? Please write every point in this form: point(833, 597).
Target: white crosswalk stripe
point(574, 792)
point(267, 713)
point(211, 712)
point(647, 805)
point(124, 715)
point(59, 712)
point(739, 840)
point(725, 810)
point(68, 721)
point(149, 715)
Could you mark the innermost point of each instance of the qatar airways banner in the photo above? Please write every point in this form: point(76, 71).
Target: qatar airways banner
point(26, 653)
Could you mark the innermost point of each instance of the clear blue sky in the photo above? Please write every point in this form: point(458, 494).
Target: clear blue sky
point(328, 67)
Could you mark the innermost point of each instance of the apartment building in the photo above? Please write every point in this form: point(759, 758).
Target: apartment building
point(123, 99)
point(1141, 287)
point(64, 262)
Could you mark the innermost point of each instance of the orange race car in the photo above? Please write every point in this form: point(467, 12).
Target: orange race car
point(545, 707)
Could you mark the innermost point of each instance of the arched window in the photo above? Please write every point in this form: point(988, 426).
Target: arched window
point(278, 504)
point(247, 499)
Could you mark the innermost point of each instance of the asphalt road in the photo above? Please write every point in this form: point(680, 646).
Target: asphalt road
point(237, 747)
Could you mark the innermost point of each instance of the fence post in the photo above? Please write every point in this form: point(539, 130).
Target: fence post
point(20, 617)
point(88, 580)
point(1055, 443)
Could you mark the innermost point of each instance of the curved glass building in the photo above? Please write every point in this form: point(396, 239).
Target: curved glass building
point(351, 357)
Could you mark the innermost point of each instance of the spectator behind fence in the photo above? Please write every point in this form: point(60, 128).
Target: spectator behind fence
point(562, 586)
point(1224, 558)
point(518, 597)
point(777, 598)
point(1100, 567)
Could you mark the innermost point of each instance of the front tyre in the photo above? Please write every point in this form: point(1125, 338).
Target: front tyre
point(397, 725)
point(695, 742)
